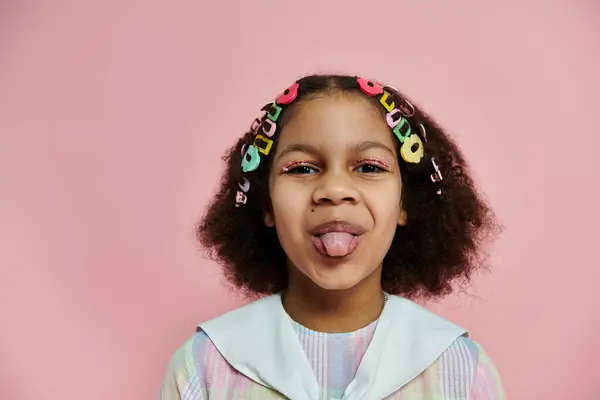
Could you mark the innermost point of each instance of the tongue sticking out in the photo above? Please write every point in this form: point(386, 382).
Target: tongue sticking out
point(337, 244)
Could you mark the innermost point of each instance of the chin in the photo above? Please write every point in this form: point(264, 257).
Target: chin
point(337, 280)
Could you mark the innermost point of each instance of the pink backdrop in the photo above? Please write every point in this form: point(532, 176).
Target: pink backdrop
point(114, 115)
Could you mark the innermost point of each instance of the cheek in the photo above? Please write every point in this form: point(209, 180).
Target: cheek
point(385, 203)
point(287, 201)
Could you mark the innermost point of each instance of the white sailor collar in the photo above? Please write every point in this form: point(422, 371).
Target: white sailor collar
point(258, 340)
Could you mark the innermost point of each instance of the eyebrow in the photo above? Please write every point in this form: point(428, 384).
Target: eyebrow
point(299, 148)
point(355, 148)
point(367, 145)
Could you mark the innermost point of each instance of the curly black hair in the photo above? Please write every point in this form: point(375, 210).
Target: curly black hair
point(441, 243)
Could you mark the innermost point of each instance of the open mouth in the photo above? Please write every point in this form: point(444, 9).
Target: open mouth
point(336, 244)
point(336, 238)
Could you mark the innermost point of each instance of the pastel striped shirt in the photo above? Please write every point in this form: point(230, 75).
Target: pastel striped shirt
point(197, 371)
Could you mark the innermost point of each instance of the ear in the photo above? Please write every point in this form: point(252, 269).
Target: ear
point(402, 217)
point(269, 219)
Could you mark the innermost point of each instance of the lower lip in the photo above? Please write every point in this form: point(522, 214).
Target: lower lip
point(320, 247)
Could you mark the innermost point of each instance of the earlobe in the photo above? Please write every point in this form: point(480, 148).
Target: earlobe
point(269, 220)
point(402, 217)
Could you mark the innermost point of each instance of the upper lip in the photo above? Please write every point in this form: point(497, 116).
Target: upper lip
point(337, 226)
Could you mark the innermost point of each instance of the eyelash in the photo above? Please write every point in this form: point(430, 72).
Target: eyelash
point(378, 165)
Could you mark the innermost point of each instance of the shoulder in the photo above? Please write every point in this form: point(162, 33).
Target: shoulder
point(487, 383)
point(466, 364)
point(185, 375)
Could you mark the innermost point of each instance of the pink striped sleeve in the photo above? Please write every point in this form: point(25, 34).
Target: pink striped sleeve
point(487, 384)
point(180, 381)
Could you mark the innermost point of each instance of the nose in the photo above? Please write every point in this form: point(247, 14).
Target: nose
point(335, 188)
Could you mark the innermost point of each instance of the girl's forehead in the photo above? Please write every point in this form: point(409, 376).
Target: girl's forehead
point(335, 119)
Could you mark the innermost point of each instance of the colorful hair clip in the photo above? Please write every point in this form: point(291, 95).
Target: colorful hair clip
point(369, 88)
point(423, 132)
point(393, 118)
point(390, 87)
point(274, 112)
point(437, 175)
point(288, 95)
point(269, 127)
point(244, 185)
point(256, 125)
point(263, 144)
point(250, 159)
point(402, 134)
point(412, 149)
point(383, 100)
point(407, 109)
point(240, 198)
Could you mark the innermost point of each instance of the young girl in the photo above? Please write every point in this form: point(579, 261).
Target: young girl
point(341, 198)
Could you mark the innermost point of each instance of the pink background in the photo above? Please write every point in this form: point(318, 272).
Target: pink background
point(114, 115)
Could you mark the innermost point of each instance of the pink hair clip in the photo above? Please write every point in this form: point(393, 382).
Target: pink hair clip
point(393, 118)
point(269, 127)
point(244, 185)
point(369, 88)
point(240, 198)
point(407, 108)
point(256, 125)
point(288, 95)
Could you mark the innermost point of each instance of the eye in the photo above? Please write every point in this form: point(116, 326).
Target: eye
point(370, 169)
point(299, 169)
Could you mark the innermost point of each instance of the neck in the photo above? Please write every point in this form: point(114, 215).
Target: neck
point(334, 311)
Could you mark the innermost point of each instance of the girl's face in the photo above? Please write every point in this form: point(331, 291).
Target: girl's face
point(335, 190)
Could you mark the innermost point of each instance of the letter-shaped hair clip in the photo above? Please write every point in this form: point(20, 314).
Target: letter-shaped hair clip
point(244, 185)
point(288, 95)
point(407, 108)
point(393, 118)
point(263, 144)
point(412, 149)
point(402, 134)
point(390, 88)
point(423, 132)
point(269, 127)
point(383, 100)
point(256, 125)
point(273, 112)
point(437, 175)
point(250, 159)
point(240, 198)
point(369, 88)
